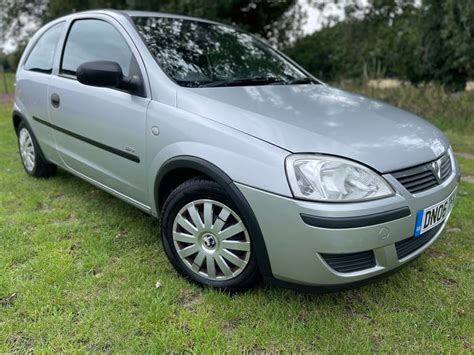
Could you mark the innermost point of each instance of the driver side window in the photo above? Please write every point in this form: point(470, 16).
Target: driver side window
point(92, 40)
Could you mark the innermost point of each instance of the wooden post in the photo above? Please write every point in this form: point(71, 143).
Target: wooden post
point(4, 79)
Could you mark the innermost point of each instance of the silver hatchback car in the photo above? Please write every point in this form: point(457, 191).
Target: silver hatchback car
point(254, 167)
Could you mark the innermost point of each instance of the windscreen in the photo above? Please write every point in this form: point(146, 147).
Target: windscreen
point(196, 54)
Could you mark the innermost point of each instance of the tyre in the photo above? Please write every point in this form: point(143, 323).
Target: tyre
point(205, 237)
point(30, 154)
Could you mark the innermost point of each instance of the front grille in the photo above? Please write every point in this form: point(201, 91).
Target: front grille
point(422, 177)
point(350, 262)
point(410, 245)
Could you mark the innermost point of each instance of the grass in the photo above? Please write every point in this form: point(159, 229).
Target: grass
point(79, 269)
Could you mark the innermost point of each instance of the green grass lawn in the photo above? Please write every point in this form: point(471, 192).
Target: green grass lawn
point(79, 269)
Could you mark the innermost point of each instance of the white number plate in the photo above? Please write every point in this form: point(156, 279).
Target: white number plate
point(432, 216)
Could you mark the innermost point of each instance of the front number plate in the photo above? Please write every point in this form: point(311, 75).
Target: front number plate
point(432, 216)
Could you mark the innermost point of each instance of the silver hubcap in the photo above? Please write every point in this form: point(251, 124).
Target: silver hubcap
point(211, 240)
point(27, 150)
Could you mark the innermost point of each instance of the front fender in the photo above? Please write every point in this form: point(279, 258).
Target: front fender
point(237, 167)
point(241, 157)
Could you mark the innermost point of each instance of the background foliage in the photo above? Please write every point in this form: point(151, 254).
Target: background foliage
point(395, 38)
point(425, 41)
point(273, 20)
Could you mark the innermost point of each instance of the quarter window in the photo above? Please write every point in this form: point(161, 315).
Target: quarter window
point(41, 56)
point(92, 40)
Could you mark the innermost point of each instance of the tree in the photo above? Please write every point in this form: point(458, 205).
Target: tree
point(447, 42)
point(19, 18)
point(276, 20)
point(374, 40)
point(395, 38)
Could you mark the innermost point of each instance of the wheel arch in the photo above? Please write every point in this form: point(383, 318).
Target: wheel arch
point(179, 169)
point(17, 118)
point(190, 166)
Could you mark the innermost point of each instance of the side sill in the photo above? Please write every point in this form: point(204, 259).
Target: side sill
point(116, 193)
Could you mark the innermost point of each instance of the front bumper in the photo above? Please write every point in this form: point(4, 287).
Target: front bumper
point(300, 253)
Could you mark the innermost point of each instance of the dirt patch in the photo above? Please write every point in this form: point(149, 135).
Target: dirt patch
point(468, 178)
point(256, 350)
point(354, 305)
point(188, 299)
point(57, 194)
point(303, 316)
point(95, 272)
point(453, 230)
point(96, 348)
point(40, 206)
point(8, 300)
point(20, 342)
point(465, 155)
point(121, 234)
point(435, 254)
point(6, 98)
point(229, 326)
point(74, 249)
point(449, 283)
point(465, 342)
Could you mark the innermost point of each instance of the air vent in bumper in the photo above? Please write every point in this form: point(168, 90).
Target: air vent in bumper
point(350, 262)
point(410, 245)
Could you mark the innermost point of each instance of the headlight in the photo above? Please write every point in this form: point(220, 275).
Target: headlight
point(332, 179)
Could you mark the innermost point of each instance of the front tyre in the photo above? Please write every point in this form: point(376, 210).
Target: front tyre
point(206, 239)
point(33, 162)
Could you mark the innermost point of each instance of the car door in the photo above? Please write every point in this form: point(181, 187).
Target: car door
point(32, 81)
point(100, 132)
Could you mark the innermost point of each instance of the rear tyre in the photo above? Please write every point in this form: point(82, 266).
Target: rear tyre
point(30, 154)
point(206, 239)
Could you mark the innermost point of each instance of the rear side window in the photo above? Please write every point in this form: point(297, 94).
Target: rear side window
point(41, 56)
point(92, 40)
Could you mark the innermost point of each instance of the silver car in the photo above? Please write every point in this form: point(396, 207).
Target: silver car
point(254, 167)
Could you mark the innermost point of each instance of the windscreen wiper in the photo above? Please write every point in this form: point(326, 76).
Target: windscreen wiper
point(299, 81)
point(243, 82)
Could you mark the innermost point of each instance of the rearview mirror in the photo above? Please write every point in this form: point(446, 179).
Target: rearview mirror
point(107, 74)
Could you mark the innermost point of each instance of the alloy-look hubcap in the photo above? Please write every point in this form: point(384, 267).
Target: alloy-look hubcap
point(211, 240)
point(27, 150)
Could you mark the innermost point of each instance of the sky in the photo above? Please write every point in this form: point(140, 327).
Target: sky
point(316, 18)
point(10, 45)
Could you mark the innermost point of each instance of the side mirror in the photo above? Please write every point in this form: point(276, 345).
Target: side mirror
point(100, 73)
point(107, 74)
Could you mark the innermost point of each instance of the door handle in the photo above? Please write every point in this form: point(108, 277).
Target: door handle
point(55, 100)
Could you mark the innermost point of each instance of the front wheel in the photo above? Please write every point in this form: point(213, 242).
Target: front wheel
point(206, 239)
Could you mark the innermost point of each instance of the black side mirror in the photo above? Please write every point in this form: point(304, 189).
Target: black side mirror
point(107, 74)
point(100, 73)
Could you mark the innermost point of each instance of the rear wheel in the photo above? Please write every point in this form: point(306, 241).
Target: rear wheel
point(33, 162)
point(206, 239)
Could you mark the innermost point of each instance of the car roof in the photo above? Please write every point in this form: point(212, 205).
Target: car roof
point(133, 13)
